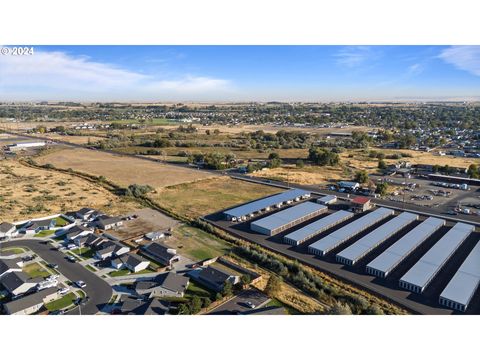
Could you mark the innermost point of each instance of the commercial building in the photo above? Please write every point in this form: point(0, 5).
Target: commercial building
point(362, 247)
point(301, 235)
point(287, 218)
point(421, 274)
point(26, 145)
point(338, 237)
point(266, 204)
point(459, 291)
point(383, 264)
point(360, 204)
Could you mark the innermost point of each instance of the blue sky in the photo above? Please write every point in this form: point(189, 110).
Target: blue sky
point(242, 73)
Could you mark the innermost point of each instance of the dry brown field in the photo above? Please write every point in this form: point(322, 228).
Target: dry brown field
point(28, 193)
point(122, 170)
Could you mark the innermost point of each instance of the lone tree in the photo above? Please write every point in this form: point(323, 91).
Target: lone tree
point(473, 171)
point(340, 309)
point(227, 288)
point(382, 165)
point(361, 176)
point(382, 189)
point(273, 285)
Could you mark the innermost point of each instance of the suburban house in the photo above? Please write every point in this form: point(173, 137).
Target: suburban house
point(17, 283)
point(109, 248)
point(7, 230)
point(132, 262)
point(76, 232)
point(33, 227)
point(91, 240)
point(161, 253)
point(215, 278)
point(30, 304)
point(9, 265)
point(166, 284)
point(84, 214)
point(106, 222)
point(134, 306)
point(360, 204)
point(155, 235)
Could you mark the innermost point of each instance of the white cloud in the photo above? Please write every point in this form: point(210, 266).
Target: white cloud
point(352, 56)
point(415, 69)
point(463, 57)
point(59, 76)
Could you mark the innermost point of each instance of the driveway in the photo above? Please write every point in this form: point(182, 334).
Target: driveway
point(97, 289)
point(238, 303)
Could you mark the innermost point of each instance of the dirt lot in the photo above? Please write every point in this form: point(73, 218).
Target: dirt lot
point(148, 220)
point(206, 196)
point(122, 170)
point(26, 193)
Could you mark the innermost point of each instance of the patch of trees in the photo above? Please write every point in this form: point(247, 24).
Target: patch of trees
point(137, 190)
point(323, 156)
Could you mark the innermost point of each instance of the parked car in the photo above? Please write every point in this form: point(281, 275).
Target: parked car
point(28, 257)
point(52, 266)
point(52, 277)
point(72, 247)
point(62, 291)
point(80, 283)
point(71, 258)
point(57, 312)
point(250, 305)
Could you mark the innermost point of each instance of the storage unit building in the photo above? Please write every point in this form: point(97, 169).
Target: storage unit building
point(460, 289)
point(362, 247)
point(317, 227)
point(421, 274)
point(383, 264)
point(265, 204)
point(287, 218)
point(338, 237)
point(327, 200)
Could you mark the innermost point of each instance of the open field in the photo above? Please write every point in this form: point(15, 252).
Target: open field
point(309, 175)
point(28, 193)
point(74, 139)
point(206, 196)
point(195, 243)
point(122, 170)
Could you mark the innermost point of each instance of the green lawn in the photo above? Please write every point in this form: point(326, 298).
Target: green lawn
point(35, 270)
point(61, 303)
point(122, 272)
point(145, 271)
point(198, 244)
point(84, 252)
point(195, 288)
point(91, 268)
point(45, 233)
point(60, 221)
point(14, 250)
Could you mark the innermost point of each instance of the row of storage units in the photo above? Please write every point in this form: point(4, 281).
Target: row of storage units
point(422, 273)
point(366, 244)
point(286, 219)
point(254, 208)
point(338, 237)
point(307, 232)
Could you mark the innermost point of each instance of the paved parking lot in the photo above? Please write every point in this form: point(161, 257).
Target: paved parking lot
point(238, 304)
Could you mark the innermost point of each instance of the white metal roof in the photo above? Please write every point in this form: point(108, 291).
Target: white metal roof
point(343, 234)
point(286, 216)
point(391, 257)
point(367, 243)
point(464, 283)
point(425, 269)
point(260, 204)
point(319, 226)
point(327, 198)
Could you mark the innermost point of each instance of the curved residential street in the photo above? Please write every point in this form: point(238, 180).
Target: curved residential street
point(98, 291)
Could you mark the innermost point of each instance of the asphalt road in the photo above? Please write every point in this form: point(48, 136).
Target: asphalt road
point(238, 303)
point(98, 291)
